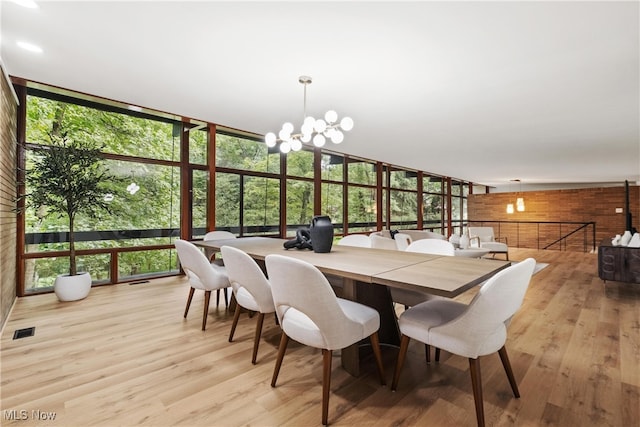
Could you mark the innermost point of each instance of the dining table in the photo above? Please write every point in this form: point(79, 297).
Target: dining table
point(366, 275)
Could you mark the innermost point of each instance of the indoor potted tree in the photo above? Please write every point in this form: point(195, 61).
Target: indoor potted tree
point(66, 179)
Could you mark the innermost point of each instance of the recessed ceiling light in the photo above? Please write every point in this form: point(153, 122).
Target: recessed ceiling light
point(30, 47)
point(26, 3)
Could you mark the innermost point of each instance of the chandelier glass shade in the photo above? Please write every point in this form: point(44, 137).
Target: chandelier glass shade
point(312, 130)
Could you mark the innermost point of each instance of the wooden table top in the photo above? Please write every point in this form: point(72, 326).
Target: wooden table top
point(445, 276)
point(440, 275)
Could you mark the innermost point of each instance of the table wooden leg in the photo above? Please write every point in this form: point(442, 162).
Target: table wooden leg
point(379, 298)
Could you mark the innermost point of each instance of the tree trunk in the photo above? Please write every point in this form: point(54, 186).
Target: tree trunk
point(306, 196)
point(72, 248)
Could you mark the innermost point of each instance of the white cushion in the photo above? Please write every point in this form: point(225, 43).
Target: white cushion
point(417, 322)
point(495, 246)
point(367, 317)
point(246, 300)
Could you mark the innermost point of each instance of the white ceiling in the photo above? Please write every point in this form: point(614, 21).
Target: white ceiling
point(546, 92)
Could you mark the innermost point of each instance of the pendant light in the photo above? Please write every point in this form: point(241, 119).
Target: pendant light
point(312, 130)
point(519, 200)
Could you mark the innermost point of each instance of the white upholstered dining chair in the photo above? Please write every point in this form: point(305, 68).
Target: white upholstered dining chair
point(310, 313)
point(202, 274)
point(473, 330)
point(357, 240)
point(402, 241)
point(381, 242)
point(432, 246)
point(211, 254)
point(251, 290)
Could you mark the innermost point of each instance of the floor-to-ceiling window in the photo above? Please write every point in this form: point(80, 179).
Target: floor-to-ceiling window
point(433, 204)
point(166, 188)
point(142, 153)
point(332, 192)
point(198, 142)
point(459, 193)
point(300, 190)
point(362, 203)
point(247, 196)
point(403, 198)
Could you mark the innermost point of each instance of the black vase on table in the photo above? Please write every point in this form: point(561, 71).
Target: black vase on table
point(321, 231)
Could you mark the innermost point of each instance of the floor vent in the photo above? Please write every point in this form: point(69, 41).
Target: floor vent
point(139, 283)
point(23, 333)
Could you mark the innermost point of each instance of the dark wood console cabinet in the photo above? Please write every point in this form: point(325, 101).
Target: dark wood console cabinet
point(618, 263)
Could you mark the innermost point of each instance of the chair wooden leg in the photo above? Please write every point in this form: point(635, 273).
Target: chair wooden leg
point(375, 345)
point(189, 298)
point(437, 354)
point(507, 368)
point(236, 316)
point(217, 297)
point(207, 298)
point(326, 384)
point(476, 383)
point(256, 339)
point(427, 353)
point(226, 298)
point(404, 345)
point(284, 340)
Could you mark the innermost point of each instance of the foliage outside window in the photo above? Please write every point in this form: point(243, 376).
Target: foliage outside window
point(402, 179)
point(227, 202)
point(119, 133)
point(299, 204)
point(300, 163)
point(198, 146)
point(362, 209)
point(361, 172)
point(333, 204)
point(154, 206)
point(458, 207)
point(235, 152)
point(199, 200)
point(261, 206)
point(404, 209)
point(332, 167)
point(433, 201)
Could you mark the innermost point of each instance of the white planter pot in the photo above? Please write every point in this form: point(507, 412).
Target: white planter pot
point(72, 288)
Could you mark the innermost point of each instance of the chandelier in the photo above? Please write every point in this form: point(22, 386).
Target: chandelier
point(312, 130)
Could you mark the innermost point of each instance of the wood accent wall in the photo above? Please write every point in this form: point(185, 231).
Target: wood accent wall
point(8, 118)
point(581, 205)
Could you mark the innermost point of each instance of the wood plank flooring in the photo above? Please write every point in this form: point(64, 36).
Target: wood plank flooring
point(125, 357)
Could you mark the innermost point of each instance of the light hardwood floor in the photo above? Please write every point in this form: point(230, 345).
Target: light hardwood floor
point(125, 356)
